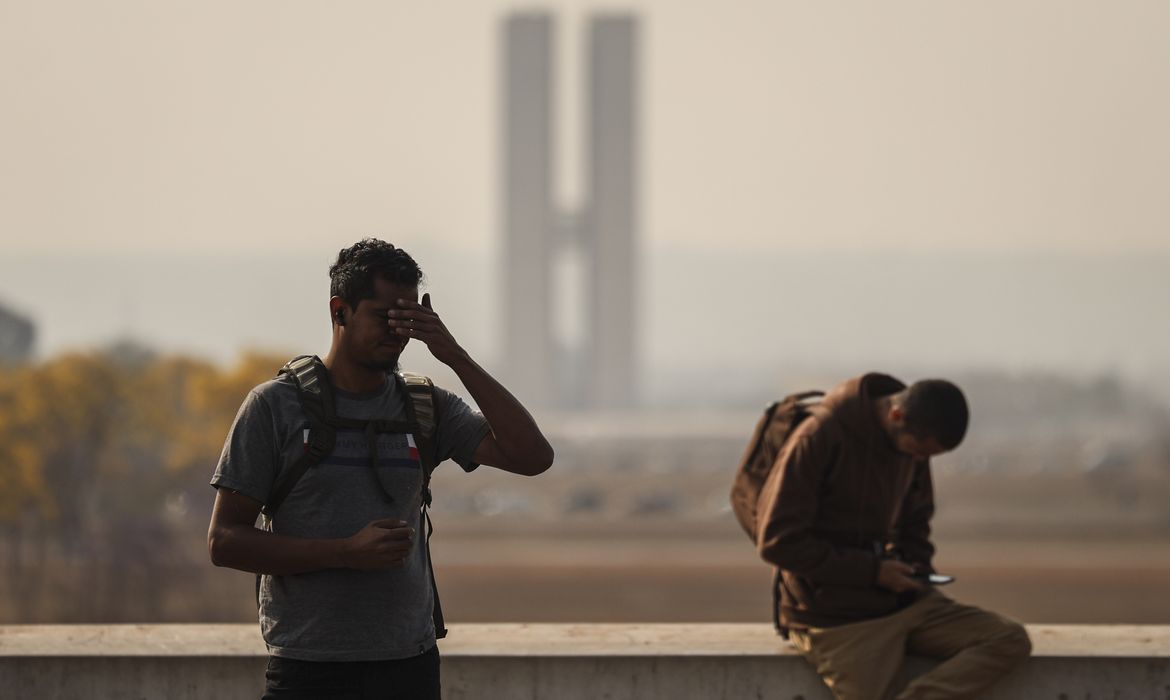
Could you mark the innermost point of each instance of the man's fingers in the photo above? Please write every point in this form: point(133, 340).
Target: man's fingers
point(408, 306)
point(913, 584)
point(897, 576)
point(398, 533)
point(415, 312)
point(424, 328)
point(388, 523)
point(427, 336)
point(426, 301)
point(903, 568)
point(414, 322)
point(902, 584)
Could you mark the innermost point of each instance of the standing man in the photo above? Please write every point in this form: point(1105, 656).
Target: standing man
point(846, 517)
point(346, 592)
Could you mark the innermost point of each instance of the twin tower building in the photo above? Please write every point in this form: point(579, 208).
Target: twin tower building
point(596, 367)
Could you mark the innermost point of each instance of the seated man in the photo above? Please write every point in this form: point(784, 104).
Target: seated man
point(845, 515)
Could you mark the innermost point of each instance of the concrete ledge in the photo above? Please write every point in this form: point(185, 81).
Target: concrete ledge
point(561, 661)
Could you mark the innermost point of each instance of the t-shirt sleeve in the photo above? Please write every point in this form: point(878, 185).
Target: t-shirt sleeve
point(460, 430)
point(248, 463)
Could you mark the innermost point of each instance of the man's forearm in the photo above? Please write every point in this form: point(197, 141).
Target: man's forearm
point(260, 552)
point(805, 555)
point(514, 428)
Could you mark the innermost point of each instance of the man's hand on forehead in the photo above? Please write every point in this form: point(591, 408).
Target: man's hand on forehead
point(407, 311)
point(411, 319)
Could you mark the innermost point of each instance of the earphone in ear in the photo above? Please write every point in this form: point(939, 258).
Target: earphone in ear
point(340, 316)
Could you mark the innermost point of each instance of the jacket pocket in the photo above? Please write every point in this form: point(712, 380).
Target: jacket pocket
point(800, 591)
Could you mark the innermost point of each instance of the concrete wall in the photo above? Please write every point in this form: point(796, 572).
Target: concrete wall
point(564, 662)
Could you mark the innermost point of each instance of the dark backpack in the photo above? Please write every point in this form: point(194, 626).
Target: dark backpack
point(316, 396)
point(773, 429)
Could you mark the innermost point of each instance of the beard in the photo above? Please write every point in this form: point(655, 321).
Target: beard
point(388, 365)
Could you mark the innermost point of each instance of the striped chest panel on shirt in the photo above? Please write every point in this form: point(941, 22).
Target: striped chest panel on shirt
point(352, 449)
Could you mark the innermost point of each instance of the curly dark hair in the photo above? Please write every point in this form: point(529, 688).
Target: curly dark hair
point(352, 276)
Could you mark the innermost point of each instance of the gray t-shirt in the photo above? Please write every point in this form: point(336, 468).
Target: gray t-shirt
point(344, 614)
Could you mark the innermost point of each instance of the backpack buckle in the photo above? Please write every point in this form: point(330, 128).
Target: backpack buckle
point(318, 446)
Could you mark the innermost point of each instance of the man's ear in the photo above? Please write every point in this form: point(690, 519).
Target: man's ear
point(897, 416)
point(337, 310)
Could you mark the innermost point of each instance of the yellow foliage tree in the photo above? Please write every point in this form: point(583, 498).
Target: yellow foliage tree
point(79, 428)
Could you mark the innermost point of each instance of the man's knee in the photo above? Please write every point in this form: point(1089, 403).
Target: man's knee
point(1013, 641)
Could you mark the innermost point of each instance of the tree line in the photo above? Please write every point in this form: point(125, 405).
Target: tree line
point(104, 463)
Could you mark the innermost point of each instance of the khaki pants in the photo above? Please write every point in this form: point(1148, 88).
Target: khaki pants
point(859, 661)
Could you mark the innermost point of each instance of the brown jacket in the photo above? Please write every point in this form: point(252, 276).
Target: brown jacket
point(841, 498)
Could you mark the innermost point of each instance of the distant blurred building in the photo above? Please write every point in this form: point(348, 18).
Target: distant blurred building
point(16, 337)
point(602, 371)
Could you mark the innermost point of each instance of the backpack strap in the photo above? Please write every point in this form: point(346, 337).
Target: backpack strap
point(437, 611)
point(420, 412)
point(776, 580)
point(316, 396)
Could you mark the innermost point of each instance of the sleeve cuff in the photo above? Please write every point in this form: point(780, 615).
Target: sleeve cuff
point(222, 482)
point(467, 462)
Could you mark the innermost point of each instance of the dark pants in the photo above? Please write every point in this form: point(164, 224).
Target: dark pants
point(415, 678)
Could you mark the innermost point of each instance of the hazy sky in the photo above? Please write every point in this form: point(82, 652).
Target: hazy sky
point(215, 133)
point(218, 125)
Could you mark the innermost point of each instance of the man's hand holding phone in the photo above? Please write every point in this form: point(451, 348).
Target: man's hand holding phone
point(898, 576)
